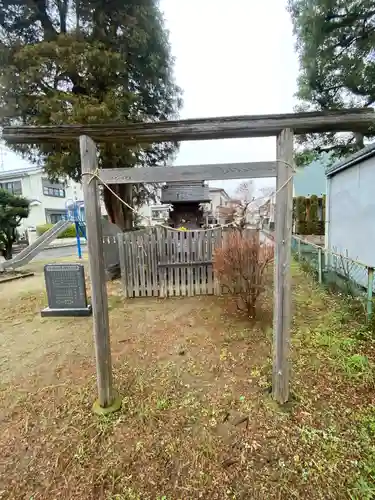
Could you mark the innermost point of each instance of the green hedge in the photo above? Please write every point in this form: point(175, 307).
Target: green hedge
point(70, 232)
point(306, 215)
point(300, 215)
point(313, 215)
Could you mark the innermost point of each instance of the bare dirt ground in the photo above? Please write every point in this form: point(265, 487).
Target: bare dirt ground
point(197, 420)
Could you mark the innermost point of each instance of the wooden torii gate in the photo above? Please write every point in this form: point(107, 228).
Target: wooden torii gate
point(282, 126)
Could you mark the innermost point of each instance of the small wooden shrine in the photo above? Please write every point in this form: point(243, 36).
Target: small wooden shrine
point(186, 199)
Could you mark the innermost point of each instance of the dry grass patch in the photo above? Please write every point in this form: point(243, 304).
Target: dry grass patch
point(197, 420)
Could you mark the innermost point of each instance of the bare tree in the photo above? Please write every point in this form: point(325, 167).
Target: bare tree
point(235, 211)
point(267, 192)
point(241, 268)
point(242, 209)
point(245, 191)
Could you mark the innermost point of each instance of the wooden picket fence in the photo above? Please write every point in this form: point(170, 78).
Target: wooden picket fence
point(161, 263)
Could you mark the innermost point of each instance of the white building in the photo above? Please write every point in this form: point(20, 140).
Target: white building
point(267, 212)
point(152, 214)
point(219, 198)
point(48, 200)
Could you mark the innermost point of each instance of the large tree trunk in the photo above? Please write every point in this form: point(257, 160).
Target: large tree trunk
point(7, 250)
point(7, 240)
point(119, 213)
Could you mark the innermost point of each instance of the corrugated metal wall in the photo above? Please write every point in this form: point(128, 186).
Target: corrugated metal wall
point(351, 212)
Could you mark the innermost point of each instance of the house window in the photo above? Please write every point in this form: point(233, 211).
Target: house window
point(14, 187)
point(55, 217)
point(56, 190)
point(158, 214)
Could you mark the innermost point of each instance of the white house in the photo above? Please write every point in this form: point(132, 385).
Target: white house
point(219, 198)
point(350, 207)
point(153, 213)
point(267, 212)
point(48, 200)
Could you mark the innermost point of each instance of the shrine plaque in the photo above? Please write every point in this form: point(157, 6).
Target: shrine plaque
point(66, 290)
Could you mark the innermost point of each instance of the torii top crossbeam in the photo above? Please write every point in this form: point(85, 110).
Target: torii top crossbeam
point(350, 120)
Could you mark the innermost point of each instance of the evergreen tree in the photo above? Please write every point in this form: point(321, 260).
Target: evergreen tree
point(12, 210)
point(336, 47)
point(88, 61)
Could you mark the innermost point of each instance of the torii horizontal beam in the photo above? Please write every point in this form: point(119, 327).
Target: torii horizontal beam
point(229, 127)
point(219, 171)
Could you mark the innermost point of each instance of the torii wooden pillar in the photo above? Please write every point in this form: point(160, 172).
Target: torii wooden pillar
point(108, 401)
point(282, 274)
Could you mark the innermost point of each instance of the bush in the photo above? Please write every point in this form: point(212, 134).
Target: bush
point(240, 266)
point(70, 232)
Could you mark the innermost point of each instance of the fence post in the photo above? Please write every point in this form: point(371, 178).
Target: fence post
point(299, 249)
point(121, 251)
point(370, 283)
point(218, 242)
point(320, 270)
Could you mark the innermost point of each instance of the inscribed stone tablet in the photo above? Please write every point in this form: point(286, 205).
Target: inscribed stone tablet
point(65, 286)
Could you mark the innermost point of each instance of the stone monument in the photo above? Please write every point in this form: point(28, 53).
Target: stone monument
point(66, 290)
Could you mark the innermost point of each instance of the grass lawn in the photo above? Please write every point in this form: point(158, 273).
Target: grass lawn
point(197, 419)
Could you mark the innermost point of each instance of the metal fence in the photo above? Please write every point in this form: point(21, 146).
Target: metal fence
point(337, 271)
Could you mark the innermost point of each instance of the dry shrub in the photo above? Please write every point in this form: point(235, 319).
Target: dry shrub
point(240, 266)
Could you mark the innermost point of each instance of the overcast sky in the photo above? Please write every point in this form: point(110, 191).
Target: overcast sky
point(233, 57)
